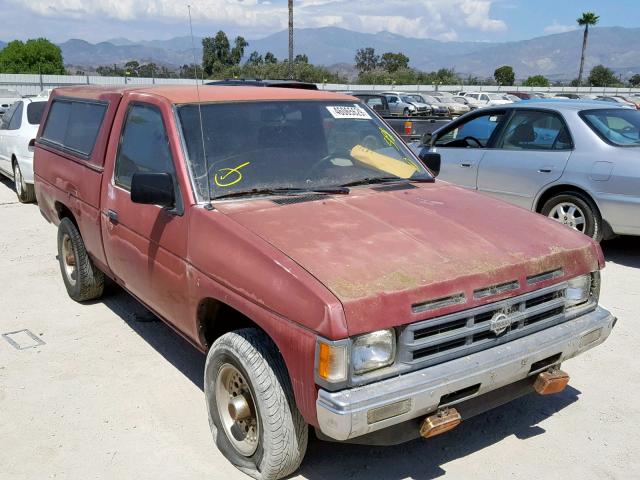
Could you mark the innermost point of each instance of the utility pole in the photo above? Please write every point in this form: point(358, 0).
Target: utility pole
point(291, 39)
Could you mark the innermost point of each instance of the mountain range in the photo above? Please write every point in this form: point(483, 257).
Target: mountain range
point(555, 56)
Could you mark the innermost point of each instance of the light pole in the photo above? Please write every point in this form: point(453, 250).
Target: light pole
point(291, 39)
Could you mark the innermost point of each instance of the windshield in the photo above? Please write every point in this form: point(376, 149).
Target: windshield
point(495, 96)
point(418, 98)
point(431, 99)
point(258, 146)
point(619, 127)
point(408, 99)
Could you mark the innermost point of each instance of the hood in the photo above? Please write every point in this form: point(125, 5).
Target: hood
point(381, 252)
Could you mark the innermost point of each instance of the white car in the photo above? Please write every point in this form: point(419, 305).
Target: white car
point(7, 98)
point(487, 99)
point(18, 129)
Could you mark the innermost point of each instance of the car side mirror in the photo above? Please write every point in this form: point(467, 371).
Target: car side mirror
point(430, 160)
point(153, 189)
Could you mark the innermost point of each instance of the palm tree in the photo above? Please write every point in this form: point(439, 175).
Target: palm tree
point(290, 38)
point(587, 19)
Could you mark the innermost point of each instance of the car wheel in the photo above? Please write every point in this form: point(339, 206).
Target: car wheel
point(81, 277)
point(252, 413)
point(406, 113)
point(577, 212)
point(25, 191)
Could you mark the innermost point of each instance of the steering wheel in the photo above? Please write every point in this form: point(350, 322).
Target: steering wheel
point(324, 160)
point(474, 139)
point(370, 142)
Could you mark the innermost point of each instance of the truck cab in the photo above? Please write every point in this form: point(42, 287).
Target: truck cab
point(331, 280)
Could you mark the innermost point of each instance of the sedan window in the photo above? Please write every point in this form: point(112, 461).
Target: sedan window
point(619, 127)
point(475, 133)
point(16, 120)
point(535, 130)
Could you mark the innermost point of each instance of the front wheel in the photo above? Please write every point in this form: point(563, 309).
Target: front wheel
point(406, 113)
point(252, 413)
point(575, 211)
point(25, 191)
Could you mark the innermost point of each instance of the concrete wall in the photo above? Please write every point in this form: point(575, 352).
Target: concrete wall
point(34, 84)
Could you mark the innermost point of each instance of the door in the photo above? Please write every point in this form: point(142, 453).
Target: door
point(145, 245)
point(9, 126)
point(463, 145)
point(532, 151)
point(394, 105)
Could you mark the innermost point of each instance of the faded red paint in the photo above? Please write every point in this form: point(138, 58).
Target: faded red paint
point(337, 267)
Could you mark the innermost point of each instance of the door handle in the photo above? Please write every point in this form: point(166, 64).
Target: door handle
point(544, 170)
point(112, 216)
point(465, 165)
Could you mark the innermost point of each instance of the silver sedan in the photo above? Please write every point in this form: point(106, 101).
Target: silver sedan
point(577, 162)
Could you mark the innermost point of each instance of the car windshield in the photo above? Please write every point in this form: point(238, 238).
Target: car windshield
point(418, 98)
point(495, 96)
point(407, 99)
point(258, 147)
point(431, 99)
point(619, 127)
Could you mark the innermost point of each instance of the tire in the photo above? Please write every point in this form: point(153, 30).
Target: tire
point(25, 191)
point(586, 219)
point(406, 113)
point(277, 435)
point(81, 277)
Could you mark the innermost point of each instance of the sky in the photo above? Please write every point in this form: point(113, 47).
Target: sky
point(447, 20)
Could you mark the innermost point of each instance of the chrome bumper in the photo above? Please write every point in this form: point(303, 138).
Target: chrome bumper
point(343, 415)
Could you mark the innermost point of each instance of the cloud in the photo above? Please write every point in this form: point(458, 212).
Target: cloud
point(555, 27)
point(440, 19)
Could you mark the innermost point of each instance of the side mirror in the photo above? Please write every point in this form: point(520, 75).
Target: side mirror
point(430, 160)
point(153, 189)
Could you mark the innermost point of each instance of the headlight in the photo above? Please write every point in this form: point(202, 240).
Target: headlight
point(412, 107)
point(581, 289)
point(372, 351)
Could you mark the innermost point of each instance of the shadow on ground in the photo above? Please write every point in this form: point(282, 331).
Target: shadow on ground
point(623, 251)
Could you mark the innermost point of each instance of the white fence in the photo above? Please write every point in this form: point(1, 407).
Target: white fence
point(34, 84)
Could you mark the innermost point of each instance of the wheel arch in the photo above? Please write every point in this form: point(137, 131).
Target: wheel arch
point(215, 318)
point(552, 190)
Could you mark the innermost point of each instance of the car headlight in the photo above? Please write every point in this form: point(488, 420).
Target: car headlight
point(373, 350)
point(412, 107)
point(581, 289)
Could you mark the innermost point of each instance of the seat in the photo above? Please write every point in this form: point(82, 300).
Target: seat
point(521, 137)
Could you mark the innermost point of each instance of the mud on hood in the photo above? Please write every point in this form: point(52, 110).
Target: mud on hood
point(380, 252)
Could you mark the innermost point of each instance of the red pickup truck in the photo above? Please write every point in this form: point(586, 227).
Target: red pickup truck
point(331, 280)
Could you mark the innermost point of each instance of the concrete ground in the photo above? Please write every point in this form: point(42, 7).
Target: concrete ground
point(113, 393)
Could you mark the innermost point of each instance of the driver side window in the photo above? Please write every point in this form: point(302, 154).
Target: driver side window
point(473, 134)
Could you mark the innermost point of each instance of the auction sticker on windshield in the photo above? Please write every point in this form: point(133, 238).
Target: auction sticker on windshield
point(345, 111)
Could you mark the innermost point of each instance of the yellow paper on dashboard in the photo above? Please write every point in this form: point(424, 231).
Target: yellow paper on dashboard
point(383, 163)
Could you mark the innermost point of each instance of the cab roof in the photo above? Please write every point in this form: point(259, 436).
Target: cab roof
point(178, 94)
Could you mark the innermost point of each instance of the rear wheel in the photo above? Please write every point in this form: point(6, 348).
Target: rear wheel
point(252, 413)
point(81, 277)
point(575, 211)
point(25, 191)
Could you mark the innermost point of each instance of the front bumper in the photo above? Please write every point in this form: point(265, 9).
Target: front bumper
point(343, 415)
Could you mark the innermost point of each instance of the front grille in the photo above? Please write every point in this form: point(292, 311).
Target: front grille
point(442, 339)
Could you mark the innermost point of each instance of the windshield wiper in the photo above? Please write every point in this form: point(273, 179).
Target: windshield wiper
point(374, 180)
point(342, 190)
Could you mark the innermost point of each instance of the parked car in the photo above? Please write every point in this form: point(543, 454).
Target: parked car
point(376, 101)
point(7, 98)
point(453, 107)
point(437, 107)
point(487, 99)
point(259, 82)
point(472, 103)
point(263, 225)
point(422, 109)
point(575, 162)
point(525, 95)
point(398, 106)
point(511, 98)
point(618, 100)
point(633, 100)
point(18, 129)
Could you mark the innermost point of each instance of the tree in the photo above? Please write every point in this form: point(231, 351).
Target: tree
point(301, 58)
point(216, 52)
point(366, 59)
point(131, 68)
point(587, 19)
point(536, 81)
point(602, 76)
point(635, 80)
point(505, 75)
point(392, 62)
point(446, 76)
point(255, 59)
point(238, 50)
point(33, 56)
point(290, 38)
point(270, 58)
